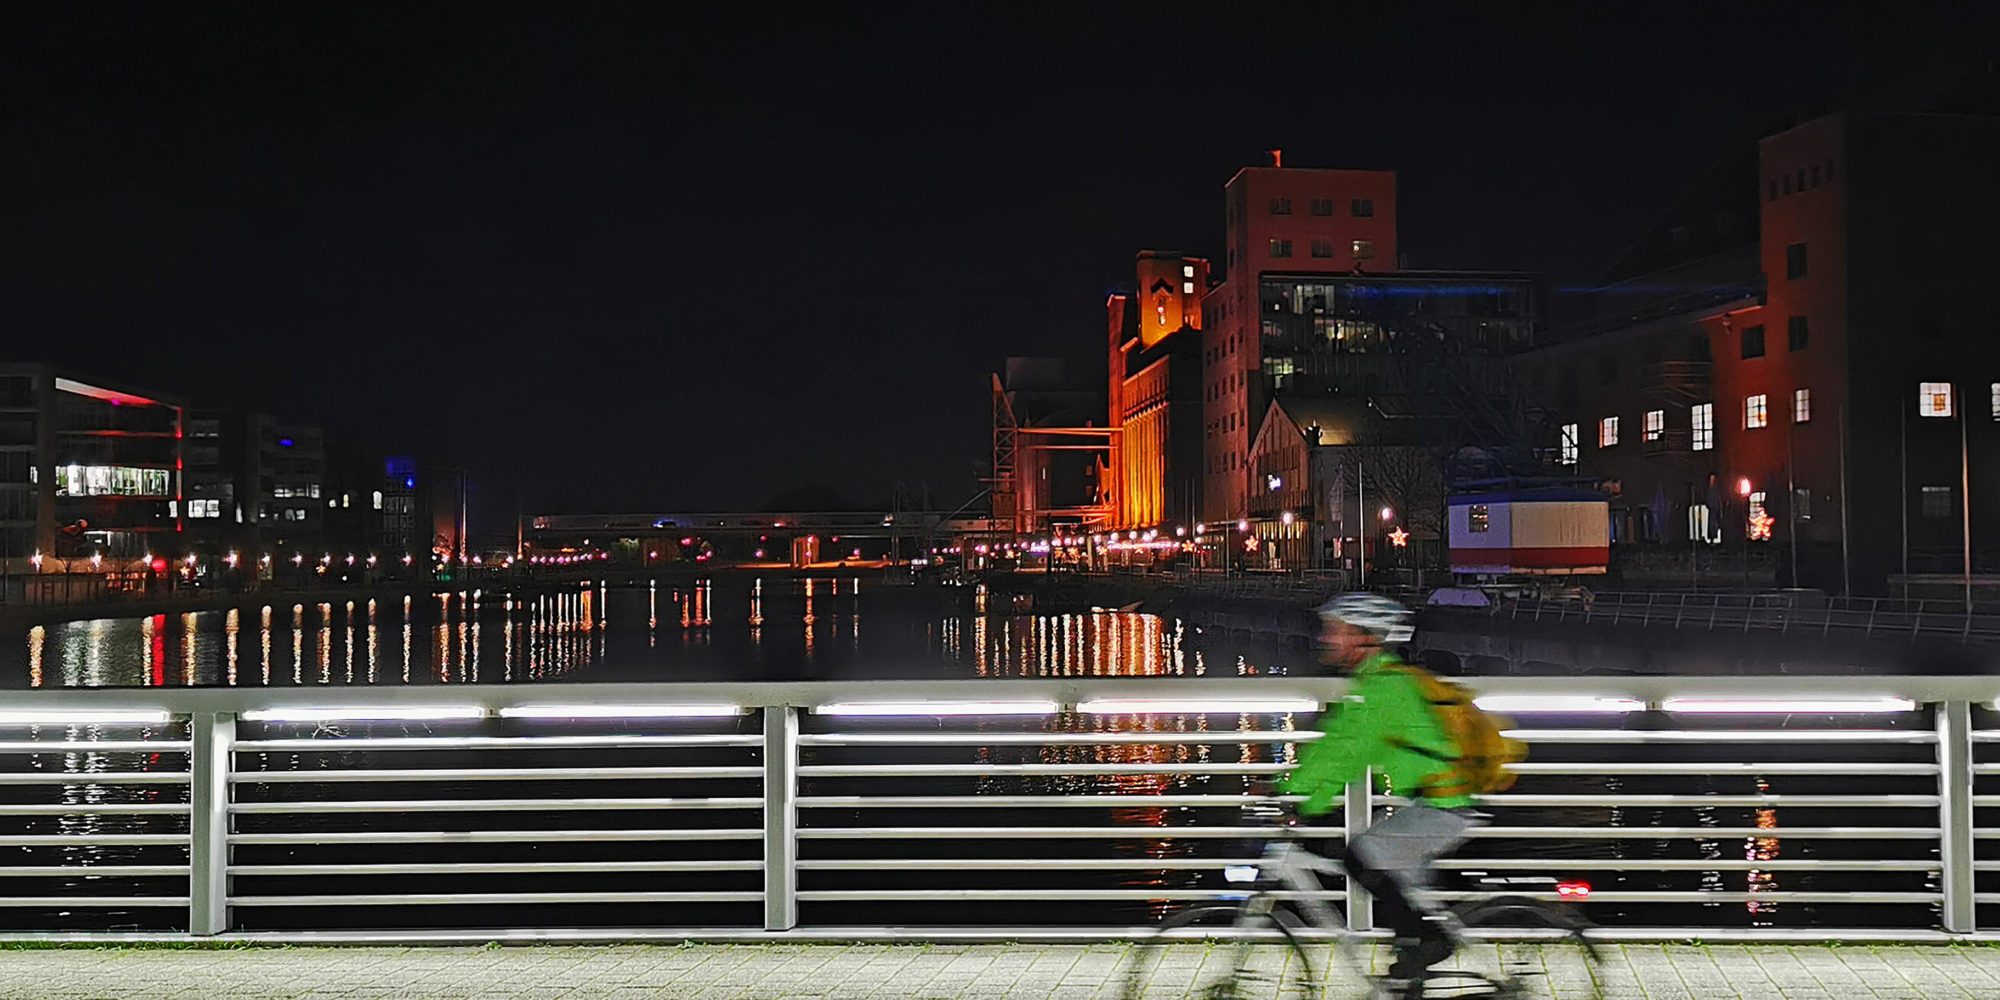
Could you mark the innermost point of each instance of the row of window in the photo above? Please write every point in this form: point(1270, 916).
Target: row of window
point(1360, 208)
point(1799, 181)
point(1751, 338)
point(112, 480)
point(1701, 424)
point(1363, 249)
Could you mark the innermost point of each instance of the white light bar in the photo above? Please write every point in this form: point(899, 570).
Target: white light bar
point(937, 708)
point(1787, 706)
point(81, 717)
point(367, 713)
point(1192, 706)
point(619, 711)
point(1557, 703)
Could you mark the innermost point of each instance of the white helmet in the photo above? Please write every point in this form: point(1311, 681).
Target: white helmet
point(1372, 613)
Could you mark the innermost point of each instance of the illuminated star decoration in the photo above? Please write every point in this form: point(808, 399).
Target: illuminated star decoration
point(1399, 538)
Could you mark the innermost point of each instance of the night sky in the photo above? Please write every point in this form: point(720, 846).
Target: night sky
point(633, 260)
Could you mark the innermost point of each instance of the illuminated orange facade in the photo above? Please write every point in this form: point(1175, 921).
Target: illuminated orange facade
point(1276, 220)
point(1154, 368)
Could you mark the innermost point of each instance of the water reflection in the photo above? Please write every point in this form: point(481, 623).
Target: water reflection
point(742, 629)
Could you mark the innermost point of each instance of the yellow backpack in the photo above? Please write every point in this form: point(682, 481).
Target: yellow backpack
point(1483, 753)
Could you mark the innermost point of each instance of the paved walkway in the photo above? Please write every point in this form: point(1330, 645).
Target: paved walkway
point(935, 972)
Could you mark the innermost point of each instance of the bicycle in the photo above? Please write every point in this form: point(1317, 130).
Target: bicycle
point(1284, 902)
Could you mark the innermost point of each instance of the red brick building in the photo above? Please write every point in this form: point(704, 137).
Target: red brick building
point(1276, 219)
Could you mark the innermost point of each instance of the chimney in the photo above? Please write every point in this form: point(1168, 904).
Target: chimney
point(1277, 157)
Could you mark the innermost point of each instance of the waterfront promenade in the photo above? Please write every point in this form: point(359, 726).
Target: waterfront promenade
point(984, 971)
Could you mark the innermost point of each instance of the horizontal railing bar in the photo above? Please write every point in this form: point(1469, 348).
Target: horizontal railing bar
point(496, 868)
point(1035, 801)
point(997, 864)
point(92, 839)
point(495, 742)
point(1721, 767)
point(1700, 896)
point(92, 871)
point(492, 774)
point(1703, 832)
point(1628, 736)
point(1221, 736)
point(1062, 690)
point(485, 836)
point(492, 898)
point(943, 770)
point(90, 902)
point(86, 746)
point(837, 895)
point(94, 778)
point(93, 808)
point(491, 805)
point(1643, 801)
point(1681, 864)
point(1053, 832)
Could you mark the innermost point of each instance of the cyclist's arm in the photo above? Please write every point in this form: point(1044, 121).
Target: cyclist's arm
point(1342, 755)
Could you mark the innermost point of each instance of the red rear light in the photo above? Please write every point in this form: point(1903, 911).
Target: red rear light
point(1573, 890)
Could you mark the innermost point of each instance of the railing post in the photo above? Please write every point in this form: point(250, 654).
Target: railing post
point(1956, 842)
point(213, 735)
point(1358, 813)
point(781, 817)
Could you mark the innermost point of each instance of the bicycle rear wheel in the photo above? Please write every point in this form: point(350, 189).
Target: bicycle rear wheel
point(1221, 952)
point(1553, 923)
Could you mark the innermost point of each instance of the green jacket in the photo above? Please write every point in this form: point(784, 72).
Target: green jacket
point(1382, 703)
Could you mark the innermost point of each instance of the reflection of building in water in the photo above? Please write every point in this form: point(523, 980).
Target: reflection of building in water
point(1761, 849)
point(36, 637)
point(374, 636)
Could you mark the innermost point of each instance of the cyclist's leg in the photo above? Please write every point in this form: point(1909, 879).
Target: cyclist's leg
point(1392, 859)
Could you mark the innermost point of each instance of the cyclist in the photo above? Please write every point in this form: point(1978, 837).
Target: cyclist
point(1387, 722)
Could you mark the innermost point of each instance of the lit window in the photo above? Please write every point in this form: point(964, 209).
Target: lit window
point(1758, 523)
point(1187, 270)
point(1755, 412)
point(378, 499)
point(1568, 444)
point(1801, 406)
point(1934, 399)
point(1364, 249)
point(1607, 432)
point(1478, 518)
point(1701, 429)
point(1701, 527)
point(1937, 501)
point(1187, 288)
point(1996, 400)
point(1656, 424)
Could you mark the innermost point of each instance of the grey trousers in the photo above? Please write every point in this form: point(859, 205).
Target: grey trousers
point(1402, 843)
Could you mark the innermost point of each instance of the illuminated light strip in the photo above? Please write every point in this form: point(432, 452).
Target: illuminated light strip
point(385, 713)
point(1149, 706)
point(619, 711)
point(1786, 706)
point(937, 708)
point(81, 716)
point(1557, 703)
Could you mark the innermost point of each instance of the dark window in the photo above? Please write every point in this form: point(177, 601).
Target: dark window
point(1812, 175)
point(1698, 348)
point(1361, 208)
point(1322, 248)
point(1322, 206)
point(1364, 249)
point(1281, 206)
point(1785, 183)
point(1796, 334)
point(1795, 261)
point(1937, 501)
point(1281, 248)
point(1753, 341)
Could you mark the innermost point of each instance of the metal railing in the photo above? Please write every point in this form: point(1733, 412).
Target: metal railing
point(1839, 802)
point(1784, 614)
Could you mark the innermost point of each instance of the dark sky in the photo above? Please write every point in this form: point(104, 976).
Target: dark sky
point(635, 260)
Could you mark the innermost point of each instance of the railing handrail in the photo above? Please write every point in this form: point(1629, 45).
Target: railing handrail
point(1065, 692)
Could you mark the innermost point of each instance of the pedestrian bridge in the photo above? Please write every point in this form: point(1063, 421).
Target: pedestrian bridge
point(1739, 809)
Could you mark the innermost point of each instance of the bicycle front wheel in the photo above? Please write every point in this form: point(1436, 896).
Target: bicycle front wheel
point(1221, 952)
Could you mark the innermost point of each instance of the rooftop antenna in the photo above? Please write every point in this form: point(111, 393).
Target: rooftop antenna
point(1277, 157)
